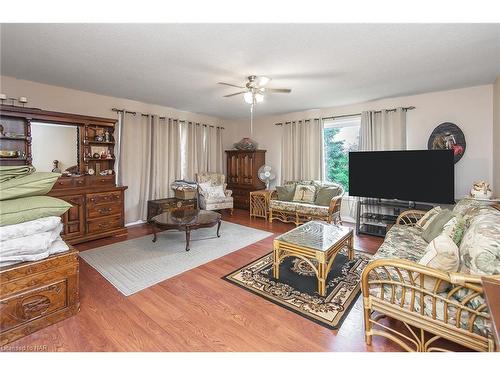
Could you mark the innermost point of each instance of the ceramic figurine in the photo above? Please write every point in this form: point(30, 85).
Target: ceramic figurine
point(481, 190)
point(56, 168)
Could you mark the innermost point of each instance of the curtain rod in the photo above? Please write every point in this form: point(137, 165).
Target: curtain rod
point(351, 115)
point(163, 117)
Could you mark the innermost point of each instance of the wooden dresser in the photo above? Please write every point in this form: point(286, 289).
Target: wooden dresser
point(242, 168)
point(98, 207)
point(34, 295)
point(98, 204)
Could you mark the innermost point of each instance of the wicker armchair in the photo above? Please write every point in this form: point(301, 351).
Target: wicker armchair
point(299, 213)
point(399, 289)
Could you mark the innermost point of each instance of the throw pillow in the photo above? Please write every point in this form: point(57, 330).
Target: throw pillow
point(455, 229)
point(441, 254)
point(304, 193)
point(427, 218)
point(38, 183)
point(325, 195)
point(285, 192)
point(214, 192)
point(20, 210)
point(435, 227)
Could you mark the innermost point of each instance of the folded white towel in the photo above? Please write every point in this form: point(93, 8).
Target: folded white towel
point(28, 228)
point(57, 246)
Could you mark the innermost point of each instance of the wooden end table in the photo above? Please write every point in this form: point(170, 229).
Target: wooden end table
point(259, 203)
point(186, 220)
point(314, 240)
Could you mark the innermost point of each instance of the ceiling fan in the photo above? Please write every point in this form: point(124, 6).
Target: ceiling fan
point(254, 89)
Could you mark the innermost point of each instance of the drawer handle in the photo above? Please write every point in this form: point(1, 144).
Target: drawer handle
point(103, 225)
point(79, 182)
point(104, 210)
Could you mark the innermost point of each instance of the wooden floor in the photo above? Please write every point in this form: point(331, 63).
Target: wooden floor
point(197, 311)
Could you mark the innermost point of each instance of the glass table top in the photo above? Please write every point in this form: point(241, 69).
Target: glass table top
point(316, 235)
point(186, 217)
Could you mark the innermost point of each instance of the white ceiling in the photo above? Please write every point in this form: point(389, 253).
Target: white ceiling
point(178, 65)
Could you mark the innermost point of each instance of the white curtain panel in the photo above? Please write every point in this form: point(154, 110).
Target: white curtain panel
point(302, 150)
point(383, 130)
point(194, 155)
point(166, 156)
point(135, 164)
point(214, 149)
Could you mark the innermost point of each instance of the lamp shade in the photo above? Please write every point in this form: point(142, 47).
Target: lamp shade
point(248, 96)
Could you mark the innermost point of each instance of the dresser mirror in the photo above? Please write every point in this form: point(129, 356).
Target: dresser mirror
point(54, 147)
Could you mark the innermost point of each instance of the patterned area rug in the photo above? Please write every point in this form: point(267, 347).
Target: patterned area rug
point(296, 290)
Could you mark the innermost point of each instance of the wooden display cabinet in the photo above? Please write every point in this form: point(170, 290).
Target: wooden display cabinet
point(98, 203)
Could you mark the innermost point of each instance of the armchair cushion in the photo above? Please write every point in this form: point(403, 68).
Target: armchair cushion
point(286, 192)
point(304, 193)
point(435, 227)
point(441, 254)
point(325, 195)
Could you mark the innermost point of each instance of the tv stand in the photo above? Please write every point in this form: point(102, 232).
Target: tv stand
point(375, 215)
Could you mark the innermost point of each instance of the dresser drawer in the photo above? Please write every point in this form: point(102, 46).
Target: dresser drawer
point(104, 210)
point(104, 198)
point(102, 181)
point(105, 224)
point(63, 183)
point(20, 308)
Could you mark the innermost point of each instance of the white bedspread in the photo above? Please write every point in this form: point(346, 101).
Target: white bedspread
point(41, 239)
point(42, 225)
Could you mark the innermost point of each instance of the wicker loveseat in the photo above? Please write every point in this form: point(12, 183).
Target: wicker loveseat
point(394, 285)
point(299, 212)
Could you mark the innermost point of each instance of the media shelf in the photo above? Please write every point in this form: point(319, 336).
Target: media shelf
point(374, 216)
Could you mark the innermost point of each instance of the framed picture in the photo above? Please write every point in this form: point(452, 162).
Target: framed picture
point(448, 136)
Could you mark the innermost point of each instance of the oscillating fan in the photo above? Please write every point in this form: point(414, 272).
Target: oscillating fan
point(266, 174)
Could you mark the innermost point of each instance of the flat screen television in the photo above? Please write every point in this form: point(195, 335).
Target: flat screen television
point(420, 176)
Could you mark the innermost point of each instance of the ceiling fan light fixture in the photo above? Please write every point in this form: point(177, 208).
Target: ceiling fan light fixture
point(248, 96)
point(259, 98)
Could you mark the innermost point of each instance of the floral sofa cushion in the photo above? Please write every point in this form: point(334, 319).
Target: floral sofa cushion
point(301, 208)
point(480, 246)
point(402, 242)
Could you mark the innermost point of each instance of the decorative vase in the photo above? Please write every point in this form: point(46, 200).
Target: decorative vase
point(246, 144)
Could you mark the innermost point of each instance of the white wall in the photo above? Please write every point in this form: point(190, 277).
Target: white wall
point(496, 138)
point(470, 108)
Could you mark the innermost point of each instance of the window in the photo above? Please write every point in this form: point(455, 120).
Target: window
point(340, 136)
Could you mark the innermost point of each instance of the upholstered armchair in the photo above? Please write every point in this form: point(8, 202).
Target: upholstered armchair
point(212, 192)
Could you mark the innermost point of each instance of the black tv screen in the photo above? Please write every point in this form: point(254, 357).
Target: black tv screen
point(420, 176)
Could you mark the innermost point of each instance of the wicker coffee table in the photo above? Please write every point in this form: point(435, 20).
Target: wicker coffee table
point(314, 241)
point(186, 220)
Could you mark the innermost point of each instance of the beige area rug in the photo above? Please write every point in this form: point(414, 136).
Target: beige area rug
point(136, 264)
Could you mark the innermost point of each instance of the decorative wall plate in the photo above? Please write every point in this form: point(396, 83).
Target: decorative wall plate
point(448, 136)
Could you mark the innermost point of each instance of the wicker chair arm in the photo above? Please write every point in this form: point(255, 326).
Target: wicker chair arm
point(273, 195)
point(335, 203)
point(410, 217)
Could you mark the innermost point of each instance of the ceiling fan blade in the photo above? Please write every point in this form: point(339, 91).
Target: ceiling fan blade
point(285, 91)
point(236, 93)
point(230, 84)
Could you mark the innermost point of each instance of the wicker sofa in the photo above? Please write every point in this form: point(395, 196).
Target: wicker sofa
point(394, 285)
point(299, 212)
